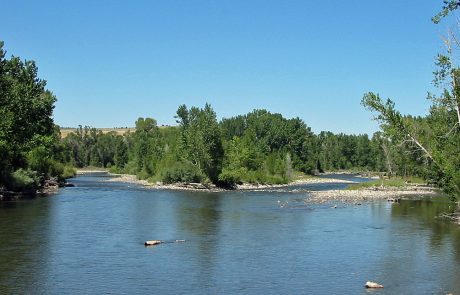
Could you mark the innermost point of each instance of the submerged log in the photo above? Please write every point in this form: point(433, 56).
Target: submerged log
point(370, 284)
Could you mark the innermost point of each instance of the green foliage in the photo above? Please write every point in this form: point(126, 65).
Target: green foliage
point(259, 148)
point(29, 141)
point(23, 180)
point(182, 172)
point(429, 146)
point(200, 140)
point(90, 147)
point(449, 6)
point(69, 172)
point(262, 147)
point(233, 176)
point(121, 153)
point(350, 152)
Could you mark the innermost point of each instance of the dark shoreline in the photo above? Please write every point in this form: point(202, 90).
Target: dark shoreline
point(49, 188)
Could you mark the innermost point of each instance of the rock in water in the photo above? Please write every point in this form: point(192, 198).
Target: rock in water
point(372, 285)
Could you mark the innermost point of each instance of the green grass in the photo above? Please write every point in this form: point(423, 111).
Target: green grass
point(297, 175)
point(397, 182)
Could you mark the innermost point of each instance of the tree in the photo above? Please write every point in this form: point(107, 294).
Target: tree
point(448, 7)
point(435, 137)
point(200, 140)
point(26, 108)
point(147, 147)
point(121, 153)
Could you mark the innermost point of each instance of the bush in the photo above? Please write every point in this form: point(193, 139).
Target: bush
point(55, 169)
point(130, 168)
point(69, 172)
point(263, 177)
point(116, 170)
point(231, 177)
point(182, 172)
point(143, 174)
point(22, 180)
point(38, 159)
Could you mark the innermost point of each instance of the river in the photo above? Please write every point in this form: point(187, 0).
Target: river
point(89, 239)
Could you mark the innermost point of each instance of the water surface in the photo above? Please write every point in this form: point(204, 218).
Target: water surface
point(89, 239)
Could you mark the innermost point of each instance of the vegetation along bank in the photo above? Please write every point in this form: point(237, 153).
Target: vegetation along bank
point(257, 148)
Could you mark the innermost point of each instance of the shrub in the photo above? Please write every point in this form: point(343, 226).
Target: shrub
point(38, 159)
point(69, 172)
point(55, 169)
point(24, 180)
point(231, 177)
point(143, 174)
point(182, 172)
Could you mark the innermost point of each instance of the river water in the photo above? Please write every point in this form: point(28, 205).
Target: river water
point(89, 239)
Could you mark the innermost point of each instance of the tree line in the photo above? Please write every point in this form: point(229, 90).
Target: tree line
point(258, 147)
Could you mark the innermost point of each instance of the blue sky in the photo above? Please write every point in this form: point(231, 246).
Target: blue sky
point(110, 62)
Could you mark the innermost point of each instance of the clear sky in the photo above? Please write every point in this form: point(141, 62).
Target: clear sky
point(110, 62)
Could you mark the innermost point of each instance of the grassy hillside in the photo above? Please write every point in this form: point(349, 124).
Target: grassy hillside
point(119, 131)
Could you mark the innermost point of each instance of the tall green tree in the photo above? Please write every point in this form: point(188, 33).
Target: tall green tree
point(200, 140)
point(26, 125)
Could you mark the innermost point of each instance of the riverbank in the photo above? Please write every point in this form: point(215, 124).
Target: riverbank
point(50, 187)
point(82, 171)
point(358, 196)
point(128, 178)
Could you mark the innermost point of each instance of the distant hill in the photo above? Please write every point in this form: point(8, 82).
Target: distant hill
point(119, 130)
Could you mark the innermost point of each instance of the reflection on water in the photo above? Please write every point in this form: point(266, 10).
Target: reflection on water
point(440, 232)
point(89, 239)
point(24, 239)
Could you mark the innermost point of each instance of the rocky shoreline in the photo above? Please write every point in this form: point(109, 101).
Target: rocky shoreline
point(359, 196)
point(51, 186)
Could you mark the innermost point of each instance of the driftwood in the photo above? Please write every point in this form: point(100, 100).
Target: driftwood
point(152, 243)
point(157, 242)
point(372, 285)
